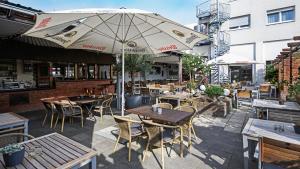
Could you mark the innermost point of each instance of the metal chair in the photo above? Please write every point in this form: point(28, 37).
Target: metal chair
point(10, 138)
point(165, 105)
point(128, 130)
point(264, 90)
point(66, 109)
point(243, 95)
point(161, 134)
point(103, 104)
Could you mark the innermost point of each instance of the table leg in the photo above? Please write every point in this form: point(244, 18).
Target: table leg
point(178, 102)
point(26, 129)
point(156, 100)
point(245, 151)
point(267, 114)
point(93, 163)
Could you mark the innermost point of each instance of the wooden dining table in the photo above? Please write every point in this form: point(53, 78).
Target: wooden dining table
point(55, 151)
point(178, 96)
point(174, 117)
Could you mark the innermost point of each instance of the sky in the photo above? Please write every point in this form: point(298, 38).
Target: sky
point(181, 11)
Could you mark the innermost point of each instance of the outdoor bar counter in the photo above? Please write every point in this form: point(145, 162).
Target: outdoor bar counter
point(21, 100)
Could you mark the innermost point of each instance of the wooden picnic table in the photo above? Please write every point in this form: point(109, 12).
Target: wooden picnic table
point(169, 116)
point(255, 129)
point(10, 122)
point(57, 151)
point(274, 104)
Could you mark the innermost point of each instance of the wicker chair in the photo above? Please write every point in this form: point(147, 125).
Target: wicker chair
point(165, 105)
point(11, 138)
point(159, 135)
point(129, 129)
point(49, 111)
point(102, 105)
point(66, 109)
point(188, 126)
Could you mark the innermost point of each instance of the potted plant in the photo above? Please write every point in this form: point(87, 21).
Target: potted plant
point(294, 91)
point(13, 154)
point(134, 63)
point(282, 93)
point(214, 91)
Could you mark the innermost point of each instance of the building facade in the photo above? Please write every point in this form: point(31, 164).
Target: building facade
point(259, 30)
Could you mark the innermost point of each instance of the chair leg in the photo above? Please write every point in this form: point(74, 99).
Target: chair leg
point(145, 151)
point(194, 133)
point(162, 154)
point(111, 112)
point(81, 120)
point(51, 122)
point(117, 142)
point(45, 118)
point(56, 121)
point(101, 113)
point(129, 150)
point(62, 124)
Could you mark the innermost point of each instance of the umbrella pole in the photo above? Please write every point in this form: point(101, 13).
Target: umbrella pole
point(123, 67)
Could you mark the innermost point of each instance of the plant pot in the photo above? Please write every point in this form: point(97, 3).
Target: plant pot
point(13, 159)
point(298, 98)
point(133, 101)
point(297, 129)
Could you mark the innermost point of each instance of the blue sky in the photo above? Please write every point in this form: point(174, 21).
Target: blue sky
point(182, 11)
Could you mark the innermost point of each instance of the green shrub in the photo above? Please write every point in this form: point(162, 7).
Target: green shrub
point(214, 91)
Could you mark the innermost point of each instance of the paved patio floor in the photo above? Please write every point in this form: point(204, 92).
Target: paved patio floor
point(219, 143)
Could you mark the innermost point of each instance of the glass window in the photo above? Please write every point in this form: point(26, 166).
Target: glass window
point(281, 15)
point(104, 71)
point(91, 72)
point(288, 15)
point(273, 17)
point(239, 22)
point(82, 71)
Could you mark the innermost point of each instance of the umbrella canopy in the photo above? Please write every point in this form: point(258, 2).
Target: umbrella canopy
point(114, 31)
point(232, 59)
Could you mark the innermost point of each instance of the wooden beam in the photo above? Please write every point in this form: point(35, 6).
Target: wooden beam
point(284, 53)
point(296, 38)
point(286, 49)
point(293, 44)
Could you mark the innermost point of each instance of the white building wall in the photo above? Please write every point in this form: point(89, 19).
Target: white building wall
point(267, 40)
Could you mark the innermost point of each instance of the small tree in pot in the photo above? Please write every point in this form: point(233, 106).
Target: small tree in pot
point(13, 154)
point(135, 63)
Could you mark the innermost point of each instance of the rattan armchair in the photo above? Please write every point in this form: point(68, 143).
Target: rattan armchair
point(165, 105)
point(49, 111)
point(161, 134)
point(102, 105)
point(188, 126)
point(128, 130)
point(66, 109)
point(11, 138)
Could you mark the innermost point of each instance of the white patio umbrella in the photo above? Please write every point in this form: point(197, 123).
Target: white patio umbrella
point(232, 59)
point(114, 31)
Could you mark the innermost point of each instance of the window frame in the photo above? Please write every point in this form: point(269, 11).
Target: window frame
point(243, 26)
point(280, 11)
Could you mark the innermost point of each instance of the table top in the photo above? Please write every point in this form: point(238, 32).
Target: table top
point(274, 104)
point(265, 128)
point(83, 99)
point(169, 116)
point(181, 96)
point(58, 151)
point(11, 118)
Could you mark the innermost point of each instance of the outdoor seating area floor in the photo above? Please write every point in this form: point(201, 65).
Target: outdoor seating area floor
point(219, 143)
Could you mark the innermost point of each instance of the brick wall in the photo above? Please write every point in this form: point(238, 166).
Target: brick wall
point(70, 88)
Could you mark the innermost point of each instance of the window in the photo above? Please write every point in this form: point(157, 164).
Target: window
point(239, 22)
point(281, 15)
